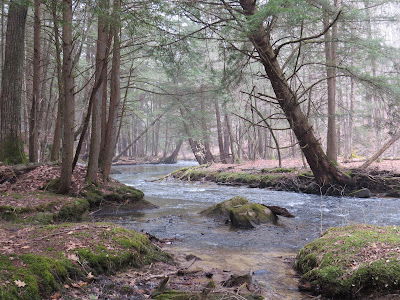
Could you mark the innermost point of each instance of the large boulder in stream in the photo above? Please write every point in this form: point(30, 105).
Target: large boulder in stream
point(241, 213)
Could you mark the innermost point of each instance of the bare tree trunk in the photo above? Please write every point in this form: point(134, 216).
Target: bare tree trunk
point(11, 148)
point(234, 148)
point(2, 36)
point(227, 142)
point(219, 132)
point(206, 136)
point(101, 56)
point(34, 121)
point(55, 150)
point(115, 93)
point(330, 56)
point(68, 116)
point(324, 171)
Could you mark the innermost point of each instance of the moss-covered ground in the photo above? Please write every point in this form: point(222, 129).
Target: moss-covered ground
point(50, 248)
point(352, 261)
point(371, 182)
point(36, 261)
point(42, 250)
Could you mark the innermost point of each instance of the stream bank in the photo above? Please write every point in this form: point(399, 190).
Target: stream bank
point(267, 251)
point(364, 183)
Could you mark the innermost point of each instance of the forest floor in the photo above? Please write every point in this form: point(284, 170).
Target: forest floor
point(28, 226)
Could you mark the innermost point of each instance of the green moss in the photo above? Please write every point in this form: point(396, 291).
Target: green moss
point(245, 178)
point(41, 276)
point(73, 211)
point(52, 186)
point(113, 197)
point(93, 195)
point(307, 174)
point(250, 214)
point(270, 180)
point(27, 215)
point(138, 251)
point(221, 210)
point(176, 295)
point(277, 170)
point(222, 177)
point(352, 261)
point(12, 151)
point(130, 193)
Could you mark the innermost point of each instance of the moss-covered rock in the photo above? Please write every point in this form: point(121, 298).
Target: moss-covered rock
point(221, 210)
point(352, 261)
point(250, 215)
point(240, 212)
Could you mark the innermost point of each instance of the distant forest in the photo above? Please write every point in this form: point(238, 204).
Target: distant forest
point(91, 81)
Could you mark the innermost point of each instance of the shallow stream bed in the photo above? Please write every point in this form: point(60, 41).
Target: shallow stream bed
point(266, 251)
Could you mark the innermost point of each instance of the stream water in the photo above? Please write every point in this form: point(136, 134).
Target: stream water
point(263, 250)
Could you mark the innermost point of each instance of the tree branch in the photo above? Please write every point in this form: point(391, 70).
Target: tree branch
point(309, 37)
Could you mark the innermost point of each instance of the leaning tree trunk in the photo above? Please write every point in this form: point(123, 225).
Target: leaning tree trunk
point(380, 151)
point(173, 158)
point(324, 171)
point(11, 148)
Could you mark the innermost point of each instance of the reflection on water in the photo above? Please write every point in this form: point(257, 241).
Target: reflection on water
point(263, 250)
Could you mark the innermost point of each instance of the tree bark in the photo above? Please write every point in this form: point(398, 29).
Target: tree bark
point(11, 148)
point(173, 158)
point(115, 93)
point(68, 116)
point(330, 56)
point(206, 136)
point(219, 132)
point(324, 171)
point(101, 56)
point(234, 148)
point(197, 148)
point(55, 149)
point(34, 121)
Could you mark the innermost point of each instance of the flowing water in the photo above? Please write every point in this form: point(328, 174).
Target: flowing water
point(264, 250)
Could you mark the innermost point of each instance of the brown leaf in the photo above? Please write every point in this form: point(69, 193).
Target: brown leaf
point(19, 283)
